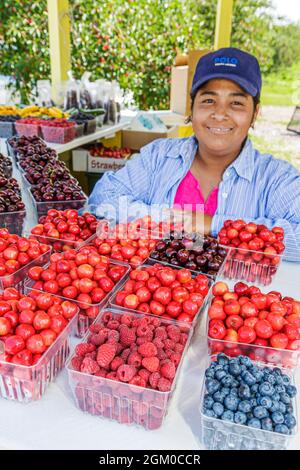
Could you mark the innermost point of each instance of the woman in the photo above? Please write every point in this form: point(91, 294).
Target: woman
point(217, 171)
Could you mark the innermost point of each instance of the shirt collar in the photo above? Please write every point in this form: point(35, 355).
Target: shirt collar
point(243, 164)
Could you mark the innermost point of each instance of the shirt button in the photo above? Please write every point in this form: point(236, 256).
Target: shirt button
point(224, 195)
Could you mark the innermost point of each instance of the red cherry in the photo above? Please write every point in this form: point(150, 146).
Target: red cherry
point(246, 334)
point(14, 344)
point(35, 344)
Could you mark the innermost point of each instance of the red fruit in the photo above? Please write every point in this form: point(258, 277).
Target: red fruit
point(23, 358)
point(14, 344)
point(157, 308)
point(143, 294)
point(26, 316)
point(58, 323)
point(231, 335)
point(25, 331)
point(105, 354)
point(97, 295)
point(232, 307)
point(241, 289)
point(167, 276)
point(217, 329)
point(291, 331)
point(4, 307)
point(234, 322)
point(86, 285)
point(216, 311)
point(153, 284)
point(11, 294)
point(174, 309)
point(230, 296)
point(163, 295)
point(277, 321)
point(251, 321)
point(184, 276)
point(190, 307)
point(259, 300)
point(35, 344)
point(248, 310)
point(180, 294)
point(5, 326)
point(263, 329)
point(10, 253)
point(85, 271)
point(106, 284)
point(69, 309)
point(131, 301)
point(279, 341)
point(279, 308)
point(41, 320)
point(294, 345)
point(261, 342)
point(127, 251)
point(44, 301)
point(51, 286)
point(220, 288)
point(245, 236)
point(151, 363)
point(49, 336)
point(246, 334)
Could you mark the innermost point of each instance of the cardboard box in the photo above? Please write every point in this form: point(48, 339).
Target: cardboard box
point(137, 139)
point(181, 83)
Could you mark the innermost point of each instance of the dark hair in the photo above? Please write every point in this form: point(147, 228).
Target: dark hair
point(256, 101)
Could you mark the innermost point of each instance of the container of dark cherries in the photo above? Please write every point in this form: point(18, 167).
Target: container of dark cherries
point(201, 254)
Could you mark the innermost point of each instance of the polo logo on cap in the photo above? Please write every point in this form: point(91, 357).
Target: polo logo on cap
point(227, 61)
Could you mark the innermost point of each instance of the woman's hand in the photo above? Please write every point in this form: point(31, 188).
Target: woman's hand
point(191, 221)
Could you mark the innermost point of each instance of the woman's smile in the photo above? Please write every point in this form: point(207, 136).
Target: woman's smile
point(220, 130)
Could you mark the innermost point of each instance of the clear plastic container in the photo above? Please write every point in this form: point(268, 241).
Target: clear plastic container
point(79, 130)
point(59, 245)
point(87, 312)
point(26, 384)
point(122, 402)
point(267, 355)
point(13, 221)
point(27, 130)
point(42, 208)
point(90, 126)
point(58, 135)
point(250, 266)
point(112, 299)
point(216, 434)
point(18, 278)
point(7, 129)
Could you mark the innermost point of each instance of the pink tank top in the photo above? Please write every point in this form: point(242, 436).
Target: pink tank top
point(189, 192)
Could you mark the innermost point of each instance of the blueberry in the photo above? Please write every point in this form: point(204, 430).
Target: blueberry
point(290, 421)
point(277, 417)
point(234, 392)
point(257, 373)
point(218, 409)
point(248, 378)
point(254, 388)
point(234, 383)
point(249, 415)
point(231, 402)
point(228, 416)
point(219, 367)
point(212, 386)
point(225, 391)
point(244, 360)
point(244, 391)
point(285, 398)
point(266, 388)
point(227, 380)
point(245, 406)
point(234, 369)
point(277, 371)
point(291, 390)
point(289, 409)
point(209, 413)
point(222, 359)
point(210, 373)
point(254, 423)
point(260, 412)
point(275, 406)
point(240, 417)
point(219, 374)
point(208, 402)
point(253, 402)
point(271, 379)
point(265, 401)
point(282, 429)
point(243, 368)
point(276, 397)
point(219, 396)
point(267, 424)
point(280, 388)
point(281, 407)
point(279, 380)
point(286, 380)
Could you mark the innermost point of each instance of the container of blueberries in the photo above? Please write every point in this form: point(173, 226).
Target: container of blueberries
point(246, 405)
point(192, 251)
point(7, 125)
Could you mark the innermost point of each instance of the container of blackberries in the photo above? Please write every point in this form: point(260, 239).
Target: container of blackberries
point(87, 120)
point(5, 166)
point(7, 125)
point(12, 208)
point(190, 250)
point(246, 405)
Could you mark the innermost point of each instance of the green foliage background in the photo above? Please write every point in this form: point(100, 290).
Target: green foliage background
point(135, 41)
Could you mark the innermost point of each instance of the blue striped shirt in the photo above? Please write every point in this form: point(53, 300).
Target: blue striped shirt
point(255, 187)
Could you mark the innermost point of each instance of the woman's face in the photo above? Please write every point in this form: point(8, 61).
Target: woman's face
point(221, 116)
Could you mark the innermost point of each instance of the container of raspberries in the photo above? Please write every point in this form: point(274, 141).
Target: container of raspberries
point(255, 252)
point(127, 367)
point(65, 230)
point(59, 131)
point(245, 405)
point(83, 277)
point(256, 322)
point(7, 125)
point(29, 127)
point(163, 291)
point(36, 342)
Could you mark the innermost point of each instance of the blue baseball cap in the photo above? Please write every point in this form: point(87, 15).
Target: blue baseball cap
point(232, 64)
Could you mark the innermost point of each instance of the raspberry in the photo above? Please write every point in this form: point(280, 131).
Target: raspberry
point(126, 319)
point(173, 333)
point(113, 336)
point(76, 362)
point(125, 353)
point(178, 348)
point(106, 317)
point(154, 378)
point(95, 328)
point(83, 348)
point(161, 332)
point(112, 376)
point(92, 355)
point(164, 385)
point(158, 343)
point(138, 381)
point(133, 347)
point(106, 353)
point(125, 373)
point(116, 363)
point(113, 324)
point(143, 330)
point(151, 363)
point(156, 322)
point(169, 344)
point(127, 336)
point(161, 354)
point(145, 374)
point(183, 338)
point(175, 357)
point(89, 366)
point(169, 352)
point(134, 359)
point(97, 339)
point(141, 340)
point(147, 349)
point(119, 349)
point(101, 373)
point(168, 370)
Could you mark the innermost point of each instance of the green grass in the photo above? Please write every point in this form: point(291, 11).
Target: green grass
point(279, 88)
